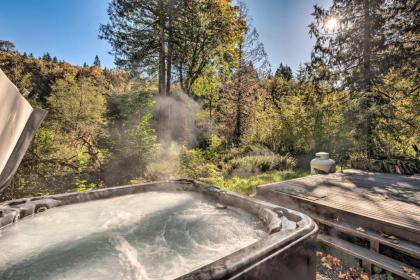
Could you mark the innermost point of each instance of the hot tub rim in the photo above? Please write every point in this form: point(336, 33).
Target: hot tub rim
point(234, 263)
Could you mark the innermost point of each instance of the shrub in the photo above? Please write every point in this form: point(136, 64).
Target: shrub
point(166, 165)
point(260, 163)
point(195, 165)
point(247, 185)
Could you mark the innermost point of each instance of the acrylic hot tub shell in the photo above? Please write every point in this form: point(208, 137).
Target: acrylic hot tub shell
point(275, 256)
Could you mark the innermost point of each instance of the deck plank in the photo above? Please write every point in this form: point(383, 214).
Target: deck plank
point(387, 197)
point(387, 263)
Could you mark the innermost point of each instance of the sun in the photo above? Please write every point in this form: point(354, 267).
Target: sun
point(331, 24)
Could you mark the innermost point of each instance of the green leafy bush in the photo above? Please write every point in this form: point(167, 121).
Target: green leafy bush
point(195, 165)
point(260, 163)
point(248, 185)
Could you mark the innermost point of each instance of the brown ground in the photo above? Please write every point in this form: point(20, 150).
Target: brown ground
point(330, 267)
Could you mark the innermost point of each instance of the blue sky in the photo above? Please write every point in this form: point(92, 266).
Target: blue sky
point(68, 29)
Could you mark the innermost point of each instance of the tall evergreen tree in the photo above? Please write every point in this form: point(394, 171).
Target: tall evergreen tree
point(359, 51)
point(7, 46)
point(136, 31)
point(285, 72)
point(96, 61)
point(239, 94)
point(155, 36)
point(46, 56)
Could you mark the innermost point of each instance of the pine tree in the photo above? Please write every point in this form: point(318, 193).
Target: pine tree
point(155, 36)
point(371, 37)
point(285, 72)
point(96, 62)
point(7, 46)
point(238, 95)
point(46, 57)
point(136, 32)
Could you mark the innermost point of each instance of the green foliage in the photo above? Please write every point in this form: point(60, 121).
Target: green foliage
point(358, 98)
point(83, 185)
point(154, 36)
point(195, 165)
point(76, 142)
point(166, 165)
point(214, 147)
point(398, 124)
point(261, 163)
point(131, 140)
point(207, 87)
point(46, 56)
point(248, 185)
point(97, 61)
point(371, 38)
point(7, 46)
point(284, 72)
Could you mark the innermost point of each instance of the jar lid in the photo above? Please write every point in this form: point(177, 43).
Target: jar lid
point(322, 155)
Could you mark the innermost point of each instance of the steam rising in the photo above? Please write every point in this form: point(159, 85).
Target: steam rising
point(175, 120)
point(176, 115)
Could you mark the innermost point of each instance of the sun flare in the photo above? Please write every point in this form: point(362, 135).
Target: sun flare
point(331, 24)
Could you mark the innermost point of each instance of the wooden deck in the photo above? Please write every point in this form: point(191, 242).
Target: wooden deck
point(391, 202)
point(363, 205)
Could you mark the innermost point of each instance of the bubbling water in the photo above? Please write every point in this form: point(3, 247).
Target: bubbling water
point(152, 235)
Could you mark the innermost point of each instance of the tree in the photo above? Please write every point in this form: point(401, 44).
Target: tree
point(77, 110)
point(207, 31)
point(369, 36)
point(71, 148)
point(132, 141)
point(7, 46)
point(238, 95)
point(136, 32)
point(207, 87)
point(46, 56)
point(96, 61)
point(399, 116)
point(237, 105)
point(285, 72)
point(155, 36)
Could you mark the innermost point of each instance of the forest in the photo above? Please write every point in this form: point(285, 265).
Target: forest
point(194, 96)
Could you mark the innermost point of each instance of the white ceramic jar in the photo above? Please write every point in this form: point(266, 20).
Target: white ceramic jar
point(322, 164)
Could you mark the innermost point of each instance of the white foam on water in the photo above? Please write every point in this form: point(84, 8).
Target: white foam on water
point(147, 236)
point(129, 259)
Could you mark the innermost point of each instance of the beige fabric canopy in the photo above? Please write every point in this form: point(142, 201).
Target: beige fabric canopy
point(18, 124)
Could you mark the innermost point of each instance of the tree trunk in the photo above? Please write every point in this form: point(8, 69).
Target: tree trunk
point(210, 109)
point(238, 121)
point(170, 46)
point(181, 77)
point(188, 86)
point(162, 56)
point(318, 119)
point(367, 72)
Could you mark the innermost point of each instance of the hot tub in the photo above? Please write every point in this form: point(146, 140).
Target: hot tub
point(181, 229)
